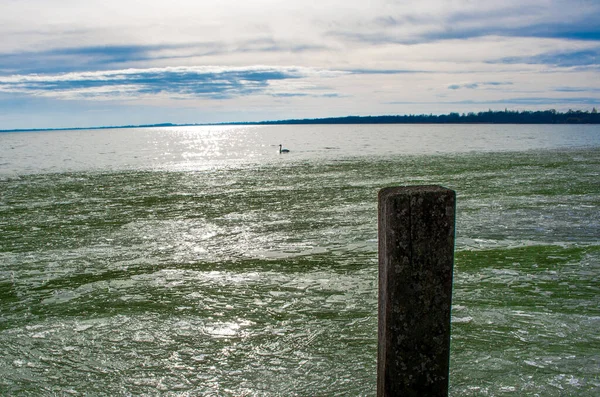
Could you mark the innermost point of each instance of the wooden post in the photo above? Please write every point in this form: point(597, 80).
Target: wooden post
point(416, 257)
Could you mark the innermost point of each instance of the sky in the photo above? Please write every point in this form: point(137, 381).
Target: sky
point(73, 63)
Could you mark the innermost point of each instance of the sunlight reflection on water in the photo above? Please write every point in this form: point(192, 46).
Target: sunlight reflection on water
point(206, 147)
point(259, 277)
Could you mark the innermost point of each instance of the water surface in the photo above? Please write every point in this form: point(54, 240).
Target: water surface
point(200, 262)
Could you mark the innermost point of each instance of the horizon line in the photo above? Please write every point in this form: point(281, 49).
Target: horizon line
point(340, 120)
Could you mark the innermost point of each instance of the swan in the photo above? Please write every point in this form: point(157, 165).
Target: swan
point(281, 150)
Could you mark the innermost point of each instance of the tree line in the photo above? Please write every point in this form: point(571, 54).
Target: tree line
point(490, 117)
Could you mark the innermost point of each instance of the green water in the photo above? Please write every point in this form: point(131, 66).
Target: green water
point(261, 280)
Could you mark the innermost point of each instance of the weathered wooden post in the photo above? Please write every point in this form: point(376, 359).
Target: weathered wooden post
point(416, 257)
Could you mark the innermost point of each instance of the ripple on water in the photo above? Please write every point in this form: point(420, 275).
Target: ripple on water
point(262, 279)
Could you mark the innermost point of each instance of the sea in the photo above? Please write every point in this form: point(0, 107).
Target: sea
point(198, 261)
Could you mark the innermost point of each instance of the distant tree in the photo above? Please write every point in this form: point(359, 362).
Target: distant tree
point(550, 116)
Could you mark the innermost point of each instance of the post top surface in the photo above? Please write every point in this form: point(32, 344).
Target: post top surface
point(413, 190)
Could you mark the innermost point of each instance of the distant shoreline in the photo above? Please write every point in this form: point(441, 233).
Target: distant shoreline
point(489, 117)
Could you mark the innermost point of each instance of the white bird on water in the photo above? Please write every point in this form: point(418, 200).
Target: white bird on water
point(282, 150)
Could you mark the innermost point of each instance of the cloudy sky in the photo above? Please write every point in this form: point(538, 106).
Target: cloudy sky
point(73, 63)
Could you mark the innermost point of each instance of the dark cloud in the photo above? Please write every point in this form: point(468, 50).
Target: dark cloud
point(538, 101)
point(484, 84)
point(289, 95)
point(385, 71)
point(271, 45)
point(374, 37)
point(525, 101)
point(74, 59)
point(516, 21)
point(93, 57)
point(576, 89)
point(216, 83)
point(563, 59)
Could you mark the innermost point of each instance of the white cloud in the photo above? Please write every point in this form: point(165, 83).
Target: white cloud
point(216, 82)
point(330, 55)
